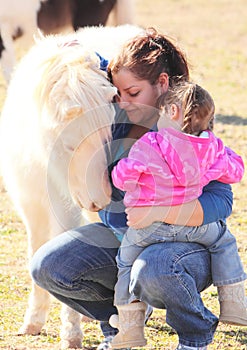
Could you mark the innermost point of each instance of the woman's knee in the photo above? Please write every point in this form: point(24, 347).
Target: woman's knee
point(40, 267)
point(161, 262)
point(49, 259)
point(68, 259)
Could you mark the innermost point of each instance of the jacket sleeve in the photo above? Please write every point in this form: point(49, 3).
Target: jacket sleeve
point(228, 166)
point(126, 174)
point(234, 166)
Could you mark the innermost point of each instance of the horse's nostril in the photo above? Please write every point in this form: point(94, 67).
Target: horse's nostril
point(94, 207)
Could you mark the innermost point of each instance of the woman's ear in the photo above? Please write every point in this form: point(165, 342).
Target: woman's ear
point(163, 82)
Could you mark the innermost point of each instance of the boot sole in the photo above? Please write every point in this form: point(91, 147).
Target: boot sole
point(234, 321)
point(128, 344)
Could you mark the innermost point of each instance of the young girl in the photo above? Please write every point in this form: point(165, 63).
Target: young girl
point(171, 167)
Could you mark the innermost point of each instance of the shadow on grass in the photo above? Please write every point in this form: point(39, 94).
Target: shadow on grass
point(239, 335)
point(230, 119)
point(160, 328)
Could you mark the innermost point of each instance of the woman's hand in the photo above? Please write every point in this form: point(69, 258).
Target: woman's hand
point(187, 214)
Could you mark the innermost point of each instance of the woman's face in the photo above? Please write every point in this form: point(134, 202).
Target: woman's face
point(137, 97)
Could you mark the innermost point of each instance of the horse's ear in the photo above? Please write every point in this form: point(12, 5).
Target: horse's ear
point(65, 115)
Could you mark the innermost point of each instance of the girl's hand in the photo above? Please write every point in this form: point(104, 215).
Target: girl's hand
point(140, 217)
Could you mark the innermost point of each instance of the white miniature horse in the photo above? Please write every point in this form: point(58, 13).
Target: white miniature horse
point(56, 119)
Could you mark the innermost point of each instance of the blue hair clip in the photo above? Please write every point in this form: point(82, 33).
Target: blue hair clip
point(103, 62)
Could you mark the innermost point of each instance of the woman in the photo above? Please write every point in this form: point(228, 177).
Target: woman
point(166, 276)
point(170, 167)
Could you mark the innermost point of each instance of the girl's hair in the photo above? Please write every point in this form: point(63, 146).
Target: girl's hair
point(148, 55)
point(196, 104)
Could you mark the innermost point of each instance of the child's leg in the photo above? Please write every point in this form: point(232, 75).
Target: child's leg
point(227, 270)
point(131, 313)
point(228, 275)
point(127, 254)
point(130, 320)
point(227, 267)
point(133, 244)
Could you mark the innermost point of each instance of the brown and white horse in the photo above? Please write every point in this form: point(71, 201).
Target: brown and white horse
point(23, 18)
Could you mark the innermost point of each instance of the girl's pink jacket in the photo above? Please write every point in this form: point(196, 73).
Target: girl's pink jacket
point(169, 167)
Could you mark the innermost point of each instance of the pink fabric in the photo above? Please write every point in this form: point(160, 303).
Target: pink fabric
point(169, 167)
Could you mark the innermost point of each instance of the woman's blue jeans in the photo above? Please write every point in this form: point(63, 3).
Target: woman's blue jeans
point(79, 268)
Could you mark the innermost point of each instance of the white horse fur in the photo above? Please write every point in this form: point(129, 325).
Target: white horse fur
point(22, 14)
point(55, 121)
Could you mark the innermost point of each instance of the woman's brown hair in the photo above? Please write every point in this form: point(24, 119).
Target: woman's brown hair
point(148, 55)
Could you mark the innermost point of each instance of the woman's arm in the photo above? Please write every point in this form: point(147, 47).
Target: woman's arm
point(187, 214)
point(215, 203)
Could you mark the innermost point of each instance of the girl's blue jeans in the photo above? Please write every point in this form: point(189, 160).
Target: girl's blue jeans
point(79, 268)
point(226, 265)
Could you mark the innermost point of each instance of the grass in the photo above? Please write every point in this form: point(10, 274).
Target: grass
point(214, 38)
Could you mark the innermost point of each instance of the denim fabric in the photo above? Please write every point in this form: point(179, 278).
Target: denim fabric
point(79, 268)
point(170, 276)
point(226, 264)
point(78, 271)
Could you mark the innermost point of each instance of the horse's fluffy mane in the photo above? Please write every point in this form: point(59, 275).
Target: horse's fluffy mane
point(62, 78)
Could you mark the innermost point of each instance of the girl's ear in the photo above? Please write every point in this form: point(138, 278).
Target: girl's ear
point(175, 112)
point(170, 117)
point(163, 82)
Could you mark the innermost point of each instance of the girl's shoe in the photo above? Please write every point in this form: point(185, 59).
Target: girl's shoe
point(233, 304)
point(130, 322)
point(106, 344)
